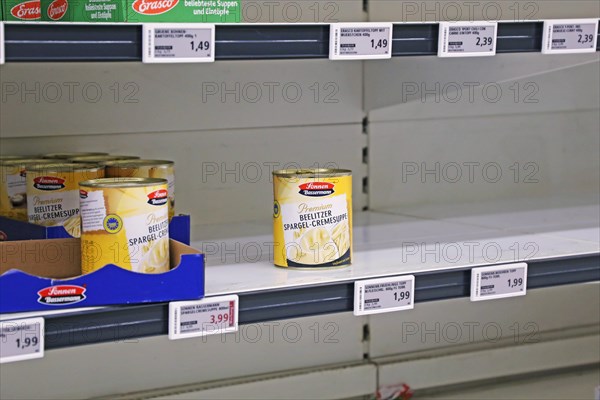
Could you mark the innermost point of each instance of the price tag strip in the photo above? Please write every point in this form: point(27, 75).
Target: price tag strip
point(209, 316)
point(376, 296)
point(178, 43)
point(1, 42)
point(21, 339)
point(360, 41)
point(567, 36)
point(467, 39)
point(498, 282)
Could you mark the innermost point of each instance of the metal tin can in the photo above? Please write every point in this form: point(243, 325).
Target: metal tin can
point(15, 157)
point(146, 169)
point(100, 159)
point(125, 222)
point(53, 193)
point(67, 156)
point(312, 218)
point(13, 188)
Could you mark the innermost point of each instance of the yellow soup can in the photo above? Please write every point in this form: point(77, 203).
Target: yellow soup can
point(13, 188)
point(163, 169)
point(312, 218)
point(53, 193)
point(125, 222)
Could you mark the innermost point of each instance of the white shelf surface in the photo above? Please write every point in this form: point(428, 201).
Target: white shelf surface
point(239, 258)
point(386, 243)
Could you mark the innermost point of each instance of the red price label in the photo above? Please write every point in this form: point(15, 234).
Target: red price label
point(213, 315)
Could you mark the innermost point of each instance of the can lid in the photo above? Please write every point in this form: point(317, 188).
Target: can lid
point(65, 167)
point(101, 159)
point(65, 156)
point(122, 182)
point(138, 163)
point(14, 157)
point(311, 173)
point(27, 161)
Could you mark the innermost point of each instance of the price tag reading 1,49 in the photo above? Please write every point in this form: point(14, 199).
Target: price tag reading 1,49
point(21, 339)
point(178, 43)
point(376, 296)
point(360, 41)
point(467, 39)
point(498, 281)
point(209, 316)
point(569, 36)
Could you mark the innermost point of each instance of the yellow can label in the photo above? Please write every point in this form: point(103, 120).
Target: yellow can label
point(125, 226)
point(13, 192)
point(53, 197)
point(312, 221)
point(147, 171)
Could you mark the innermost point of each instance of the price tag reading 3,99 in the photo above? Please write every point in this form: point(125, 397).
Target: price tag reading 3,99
point(569, 36)
point(1, 42)
point(467, 39)
point(21, 339)
point(360, 41)
point(178, 43)
point(209, 316)
point(376, 296)
point(499, 281)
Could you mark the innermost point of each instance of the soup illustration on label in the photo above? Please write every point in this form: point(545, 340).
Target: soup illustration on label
point(13, 188)
point(312, 218)
point(125, 222)
point(53, 193)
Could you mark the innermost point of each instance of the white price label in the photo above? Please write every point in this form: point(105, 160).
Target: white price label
point(209, 316)
point(178, 43)
point(360, 41)
point(1, 42)
point(21, 339)
point(467, 39)
point(569, 36)
point(376, 296)
point(499, 281)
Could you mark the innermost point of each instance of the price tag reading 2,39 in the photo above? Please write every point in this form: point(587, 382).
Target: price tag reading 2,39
point(499, 281)
point(376, 296)
point(467, 39)
point(209, 316)
point(569, 36)
point(360, 41)
point(21, 339)
point(178, 43)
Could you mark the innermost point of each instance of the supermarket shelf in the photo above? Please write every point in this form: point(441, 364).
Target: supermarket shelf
point(122, 42)
point(385, 245)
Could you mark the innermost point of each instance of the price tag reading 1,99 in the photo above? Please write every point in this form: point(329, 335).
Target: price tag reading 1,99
point(570, 36)
point(498, 281)
point(178, 43)
point(376, 296)
point(21, 339)
point(360, 41)
point(467, 39)
point(209, 316)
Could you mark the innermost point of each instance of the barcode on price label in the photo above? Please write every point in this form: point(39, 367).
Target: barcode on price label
point(360, 41)
point(21, 339)
point(499, 281)
point(178, 43)
point(209, 316)
point(569, 36)
point(376, 296)
point(1, 42)
point(467, 39)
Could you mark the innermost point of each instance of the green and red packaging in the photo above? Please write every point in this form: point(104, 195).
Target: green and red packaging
point(213, 11)
point(84, 10)
point(19, 10)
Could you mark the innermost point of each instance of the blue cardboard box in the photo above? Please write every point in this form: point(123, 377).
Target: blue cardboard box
point(10, 229)
point(45, 275)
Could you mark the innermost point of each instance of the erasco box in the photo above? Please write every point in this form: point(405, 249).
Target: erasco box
point(213, 11)
point(45, 274)
point(84, 10)
point(19, 10)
